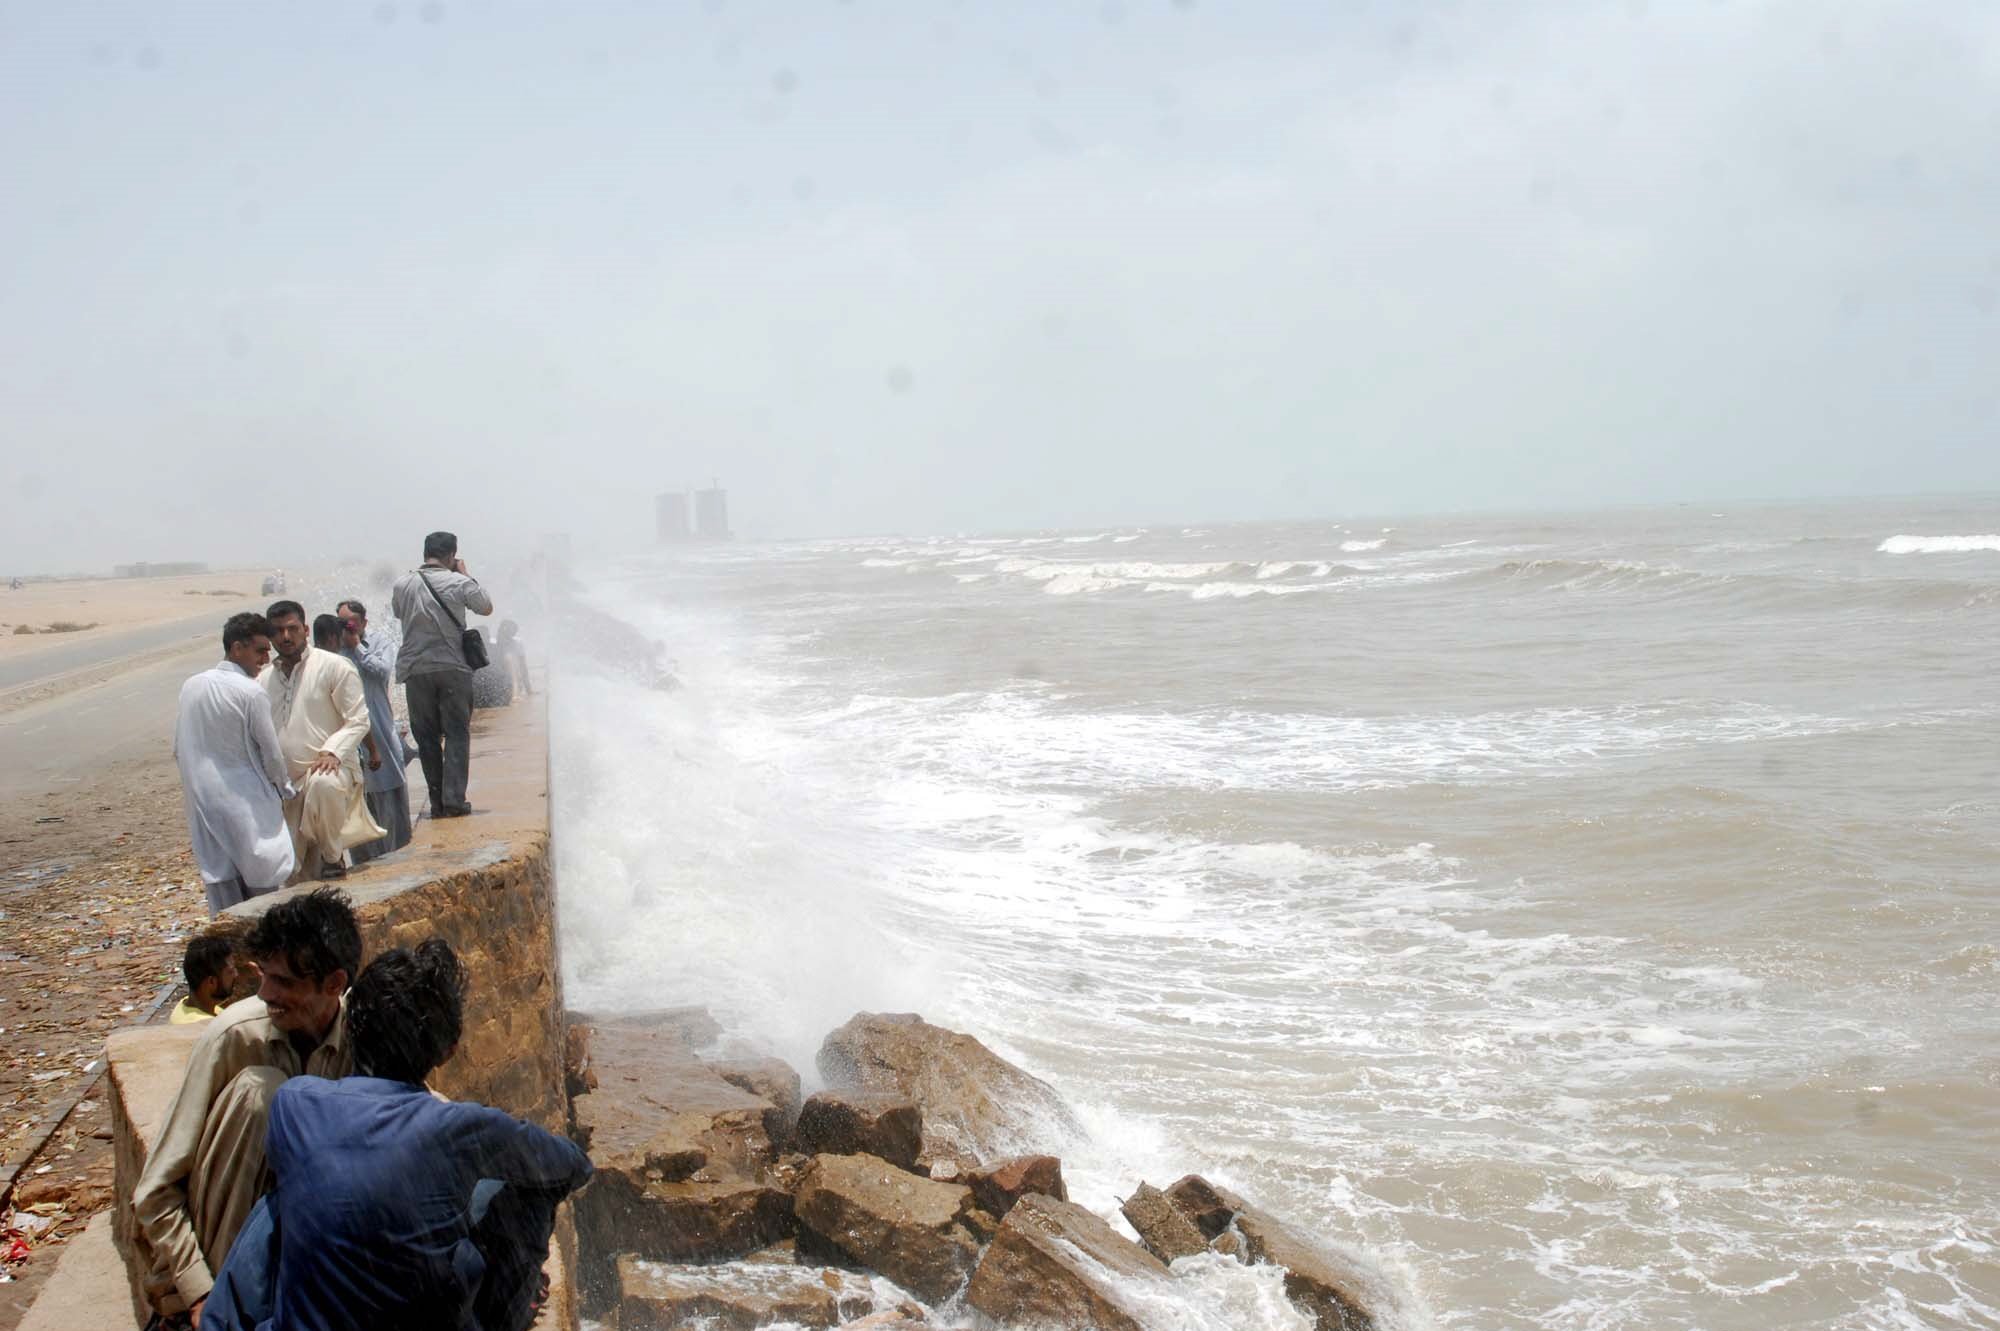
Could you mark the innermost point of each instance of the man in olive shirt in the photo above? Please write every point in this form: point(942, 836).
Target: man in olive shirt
point(206, 1169)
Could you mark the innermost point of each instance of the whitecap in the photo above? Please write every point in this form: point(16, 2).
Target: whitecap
point(1356, 547)
point(1938, 545)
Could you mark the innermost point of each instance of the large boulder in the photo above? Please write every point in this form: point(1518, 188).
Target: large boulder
point(658, 1297)
point(769, 1079)
point(916, 1231)
point(1166, 1231)
point(1335, 1289)
point(680, 1155)
point(995, 1188)
point(855, 1122)
point(976, 1105)
point(1056, 1265)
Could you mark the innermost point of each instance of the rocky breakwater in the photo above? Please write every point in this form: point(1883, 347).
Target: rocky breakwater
point(914, 1190)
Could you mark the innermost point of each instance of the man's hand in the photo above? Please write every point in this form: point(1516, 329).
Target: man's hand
point(458, 566)
point(194, 1311)
point(326, 763)
point(375, 760)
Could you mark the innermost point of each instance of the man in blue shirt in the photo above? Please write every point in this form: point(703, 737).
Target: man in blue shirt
point(391, 1208)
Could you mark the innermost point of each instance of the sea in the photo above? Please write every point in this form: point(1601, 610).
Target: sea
point(1581, 920)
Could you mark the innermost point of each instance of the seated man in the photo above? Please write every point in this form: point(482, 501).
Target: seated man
point(206, 1168)
point(391, 1207)
point(209, 966)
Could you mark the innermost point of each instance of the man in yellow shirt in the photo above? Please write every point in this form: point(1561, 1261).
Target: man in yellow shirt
point(209, 966)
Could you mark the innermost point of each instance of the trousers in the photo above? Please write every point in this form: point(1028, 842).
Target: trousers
point(440, 706)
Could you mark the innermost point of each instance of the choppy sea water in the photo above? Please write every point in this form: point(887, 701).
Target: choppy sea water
point(1591, 918)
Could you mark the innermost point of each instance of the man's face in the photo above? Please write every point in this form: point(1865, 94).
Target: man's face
point(252, 656)
point(353, 621)
point(299, 1004)
point(289, 635)
point(224, 983)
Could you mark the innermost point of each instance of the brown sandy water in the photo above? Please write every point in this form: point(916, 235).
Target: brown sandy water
point(1590, 916)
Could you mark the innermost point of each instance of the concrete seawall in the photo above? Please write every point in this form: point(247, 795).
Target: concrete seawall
point(486, 885)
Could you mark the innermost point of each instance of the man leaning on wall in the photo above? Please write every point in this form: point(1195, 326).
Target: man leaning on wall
point(206, 1167)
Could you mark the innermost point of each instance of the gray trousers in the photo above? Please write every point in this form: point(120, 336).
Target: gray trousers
point(440, 705)
point(231, 892)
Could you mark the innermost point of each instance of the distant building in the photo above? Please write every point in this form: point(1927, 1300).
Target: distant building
point(711, 514)
point(671, 515)
point(179, 570)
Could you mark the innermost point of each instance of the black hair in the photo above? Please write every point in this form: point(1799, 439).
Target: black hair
point(206, 956)
point(244, 627)
point(440, 545)
point(279, 609)
point(326, 632)
point(349, 603)
point(315, 934)
point(406, 1012)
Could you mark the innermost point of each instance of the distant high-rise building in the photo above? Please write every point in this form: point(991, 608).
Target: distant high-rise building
point(711, 514)
point(671, 512)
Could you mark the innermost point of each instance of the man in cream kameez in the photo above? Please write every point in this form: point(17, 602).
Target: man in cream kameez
point(321, 712)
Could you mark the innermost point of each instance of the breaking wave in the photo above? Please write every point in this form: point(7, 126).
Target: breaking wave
point(1939, 545)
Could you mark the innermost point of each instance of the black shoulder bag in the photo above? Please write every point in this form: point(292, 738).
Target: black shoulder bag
point(470, 641)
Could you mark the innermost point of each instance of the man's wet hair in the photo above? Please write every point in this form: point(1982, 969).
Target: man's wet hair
point(315, 934)
point(406, 1012)
point(244, 627)
point(326, 632)
point(440, 545)
point(279, 609)
point(349, 603)
point(205, 958)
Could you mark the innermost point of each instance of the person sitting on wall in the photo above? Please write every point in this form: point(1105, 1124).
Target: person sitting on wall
point(392, 1207)
point(206, 1168)
point(209, 967)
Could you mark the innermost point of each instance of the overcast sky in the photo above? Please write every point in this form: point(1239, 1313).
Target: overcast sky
point(286, 280)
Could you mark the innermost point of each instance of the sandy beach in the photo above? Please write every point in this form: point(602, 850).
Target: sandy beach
point(33, 616)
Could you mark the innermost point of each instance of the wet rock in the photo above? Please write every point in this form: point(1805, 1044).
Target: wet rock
point(911, 1229)
point(905, 1317)
point(667, 1297)
point(693, 1027)
point(1209, 1207)
point(1163, 1228)
point(579, 1078)
point(772, 1080)
point(1334, 1289)
point(679, 1155)
point(778, 1254)
point(995, 1188)
point(976, 1105)
point(1055, 1264)
point(855, 1122)
point(671, 1222)
point(656, 1106)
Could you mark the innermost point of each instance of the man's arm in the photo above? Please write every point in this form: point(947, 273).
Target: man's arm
point(474, 596)
point(264, 743)
point(179, 1274)
point(375, 657)
point(523, 1154)
point(351, 701)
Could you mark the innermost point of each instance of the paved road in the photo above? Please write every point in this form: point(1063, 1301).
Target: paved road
point(44, 662)
point(77, 735)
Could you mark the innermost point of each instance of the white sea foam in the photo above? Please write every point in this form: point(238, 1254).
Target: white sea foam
point(1938, 545)
point(1358, 547)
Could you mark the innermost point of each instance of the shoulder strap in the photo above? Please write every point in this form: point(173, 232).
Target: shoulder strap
point(457, 623)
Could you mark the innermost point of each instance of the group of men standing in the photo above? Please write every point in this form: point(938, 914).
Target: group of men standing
point(292, 768)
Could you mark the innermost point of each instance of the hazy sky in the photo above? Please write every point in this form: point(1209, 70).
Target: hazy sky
point(309, 279)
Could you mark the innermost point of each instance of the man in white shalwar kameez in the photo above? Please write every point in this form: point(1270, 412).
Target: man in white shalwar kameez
point(233, 774)
point(322, 716)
